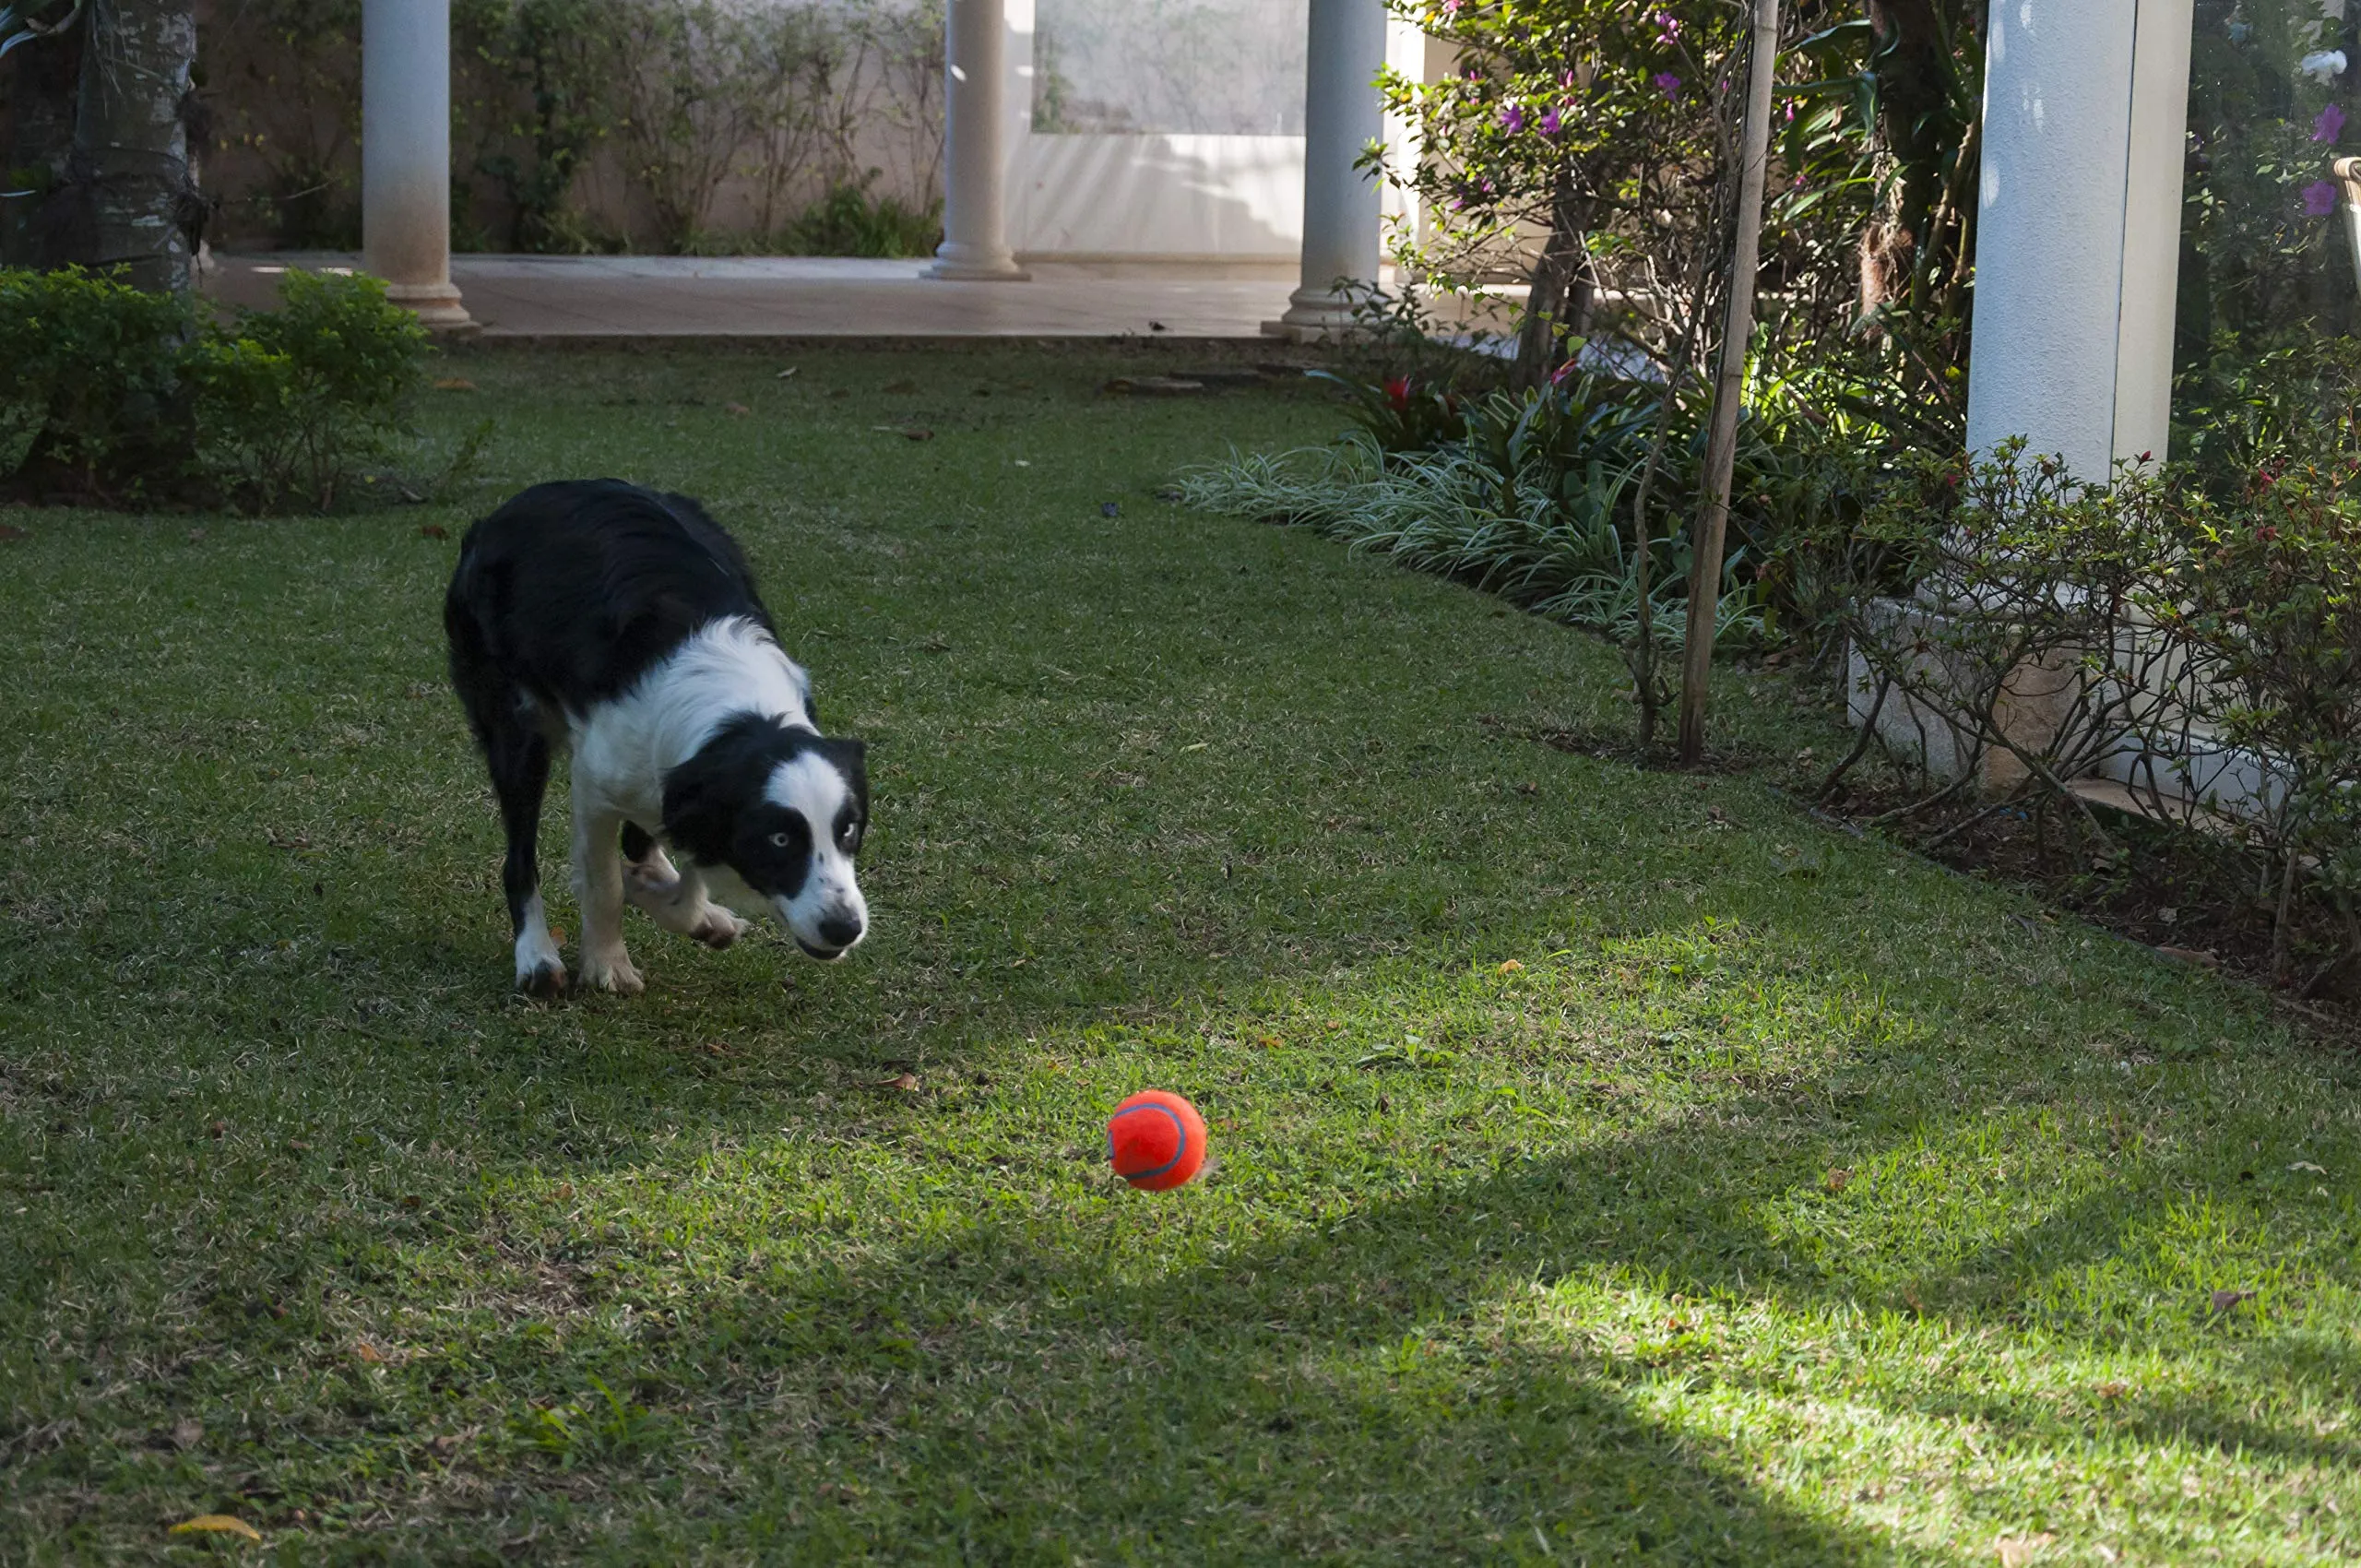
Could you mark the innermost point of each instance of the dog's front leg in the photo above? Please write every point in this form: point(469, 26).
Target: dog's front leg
point(676, 900)
point(599, 890)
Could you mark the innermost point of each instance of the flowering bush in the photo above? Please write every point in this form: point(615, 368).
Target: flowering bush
point(2271, 94)
point(1582, 120)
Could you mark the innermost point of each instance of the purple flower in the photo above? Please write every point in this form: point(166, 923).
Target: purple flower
point(1668, 84)
point(1550, 122)
point(1513, 118)
point(2330, 126)
point(1668, 26)
point(2319, 198)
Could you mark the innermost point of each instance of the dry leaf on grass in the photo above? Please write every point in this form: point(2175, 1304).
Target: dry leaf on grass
point(1510, 966)
point(364, 1352)
point(2015, 1551)
point(906, 1082)
point(187, 1432)
point(1837, 1180)
point(736, 409)
point(216, 1525)
point(453, 384)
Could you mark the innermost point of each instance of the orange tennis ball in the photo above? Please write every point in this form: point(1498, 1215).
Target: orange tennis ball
point(1156, 1141)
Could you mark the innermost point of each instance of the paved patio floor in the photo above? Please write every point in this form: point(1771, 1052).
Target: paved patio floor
point(536, 296)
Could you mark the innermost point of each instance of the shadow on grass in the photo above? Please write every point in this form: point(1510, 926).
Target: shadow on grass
point(1404, 1382)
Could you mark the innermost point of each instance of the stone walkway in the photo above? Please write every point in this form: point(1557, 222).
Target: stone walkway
point(641, 296)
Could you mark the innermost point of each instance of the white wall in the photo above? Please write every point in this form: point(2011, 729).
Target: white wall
point(1164, 195)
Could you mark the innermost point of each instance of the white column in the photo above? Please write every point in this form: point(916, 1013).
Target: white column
point(975, 166)
point(2078, 241)
point(1342, 114)
point(406, 155)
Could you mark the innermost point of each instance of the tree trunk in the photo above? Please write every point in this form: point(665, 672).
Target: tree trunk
point(38, 82)
point(1916, 123)
point(1560, 292)
point(135, 204)
point(1738, 335)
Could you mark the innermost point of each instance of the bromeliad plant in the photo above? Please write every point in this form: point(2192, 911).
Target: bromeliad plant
point(1527, 500)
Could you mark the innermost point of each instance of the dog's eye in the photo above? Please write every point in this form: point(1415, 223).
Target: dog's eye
point(781, 840)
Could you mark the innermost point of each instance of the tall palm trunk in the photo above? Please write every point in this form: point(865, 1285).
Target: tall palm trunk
point(100, 124)
point(38, 84)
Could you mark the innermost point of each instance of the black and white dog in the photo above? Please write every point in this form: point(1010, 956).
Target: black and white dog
point(624, 623)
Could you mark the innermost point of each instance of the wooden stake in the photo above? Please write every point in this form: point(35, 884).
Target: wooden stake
point(1721, 445)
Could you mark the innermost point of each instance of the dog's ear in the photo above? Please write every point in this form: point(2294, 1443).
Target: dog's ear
point(704, 795)
point(851, 758)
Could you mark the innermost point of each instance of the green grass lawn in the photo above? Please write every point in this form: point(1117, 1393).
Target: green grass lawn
point(1613, 1166)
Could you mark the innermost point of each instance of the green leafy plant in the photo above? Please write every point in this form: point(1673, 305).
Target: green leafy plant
point(291, 400)
point(2261, 600)
point(541, 98)
point(598, 1426)
point(1529, 503)
point(850, 220)
point(2022, 661)
point(92, 405)
point(122, 394)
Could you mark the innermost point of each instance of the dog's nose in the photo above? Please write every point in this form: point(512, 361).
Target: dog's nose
point(840, 930)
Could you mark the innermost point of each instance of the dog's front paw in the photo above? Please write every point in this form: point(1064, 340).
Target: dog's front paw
point(542, 981)
point(719, 928)
point(614, 974)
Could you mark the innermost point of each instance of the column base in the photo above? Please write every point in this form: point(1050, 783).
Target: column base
point(959, 263)
point(436, 305)
point(1317, 316)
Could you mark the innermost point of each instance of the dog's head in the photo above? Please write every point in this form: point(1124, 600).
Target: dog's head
point(780, 811)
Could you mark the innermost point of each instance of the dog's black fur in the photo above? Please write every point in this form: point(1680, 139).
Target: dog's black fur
point(565, 608)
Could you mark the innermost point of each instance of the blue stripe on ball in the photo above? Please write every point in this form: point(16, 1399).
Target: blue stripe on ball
point(1178, 1155)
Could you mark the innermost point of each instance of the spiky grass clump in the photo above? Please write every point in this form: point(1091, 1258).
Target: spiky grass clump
point(1554, 541)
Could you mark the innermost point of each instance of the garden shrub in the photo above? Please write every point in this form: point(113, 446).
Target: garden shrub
point(93, 394)
point(1531, 493)
point(848, 221)
point(2260, 599)
point(291, 401)
point(120, 396)
point(2025, 657)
